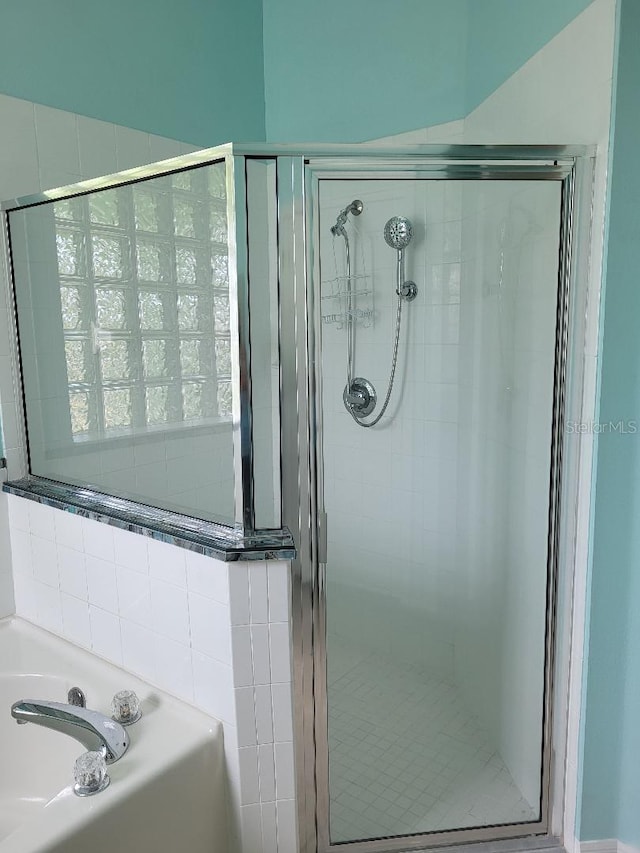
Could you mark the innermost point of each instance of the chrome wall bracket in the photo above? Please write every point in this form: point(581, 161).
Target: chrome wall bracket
point(408, 291)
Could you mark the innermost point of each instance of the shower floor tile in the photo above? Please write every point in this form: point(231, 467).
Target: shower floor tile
point(407, 756)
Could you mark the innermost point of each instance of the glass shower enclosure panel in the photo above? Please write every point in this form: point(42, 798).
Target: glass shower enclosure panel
point(436, 577)
point(123, 306)
point(146, 302)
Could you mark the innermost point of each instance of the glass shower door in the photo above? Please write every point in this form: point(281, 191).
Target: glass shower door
point(437, 570)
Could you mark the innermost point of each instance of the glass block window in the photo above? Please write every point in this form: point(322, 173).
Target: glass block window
point(144, 293)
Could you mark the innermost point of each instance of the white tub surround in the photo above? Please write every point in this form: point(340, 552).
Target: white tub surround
point(214, 634)
point(166, 793)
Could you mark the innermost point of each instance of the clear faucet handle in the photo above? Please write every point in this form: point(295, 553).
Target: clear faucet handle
point(125, 708)
point(90, 774)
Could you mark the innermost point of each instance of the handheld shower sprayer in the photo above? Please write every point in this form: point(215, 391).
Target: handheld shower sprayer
point(397, 234)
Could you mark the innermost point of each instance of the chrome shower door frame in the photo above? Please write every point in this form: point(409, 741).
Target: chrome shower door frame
point(298, 179)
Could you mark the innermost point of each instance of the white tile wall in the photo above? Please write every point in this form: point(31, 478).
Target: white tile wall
point(262, 679)
point(6, 579)
point(399, 580)
point(510, 234)
point(390, 491)
point(166, 614)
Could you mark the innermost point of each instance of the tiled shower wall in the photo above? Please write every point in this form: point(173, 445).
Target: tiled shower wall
point(214, 634)
point(390, 491)
point(507, 348)
point(418, 570)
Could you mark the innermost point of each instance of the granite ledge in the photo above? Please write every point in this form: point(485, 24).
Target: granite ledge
point(202, 537)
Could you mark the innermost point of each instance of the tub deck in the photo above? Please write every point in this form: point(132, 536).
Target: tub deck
point(167, 792)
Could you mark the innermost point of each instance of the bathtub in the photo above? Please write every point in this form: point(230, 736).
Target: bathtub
point(167, 792)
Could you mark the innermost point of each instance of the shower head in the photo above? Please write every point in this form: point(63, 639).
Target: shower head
point(355, 208)
point(398, 232)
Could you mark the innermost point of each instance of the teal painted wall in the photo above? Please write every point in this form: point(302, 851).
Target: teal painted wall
point(348, 72)
point(351, 71)
point(191, 70)
point(504, 34)
point(610, 805)
point(202, 70)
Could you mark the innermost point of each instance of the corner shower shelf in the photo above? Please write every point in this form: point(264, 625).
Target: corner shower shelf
point(365, 315)
point(339, 291)
point(339, 286)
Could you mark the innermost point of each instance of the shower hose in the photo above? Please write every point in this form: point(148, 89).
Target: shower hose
point(351, 339)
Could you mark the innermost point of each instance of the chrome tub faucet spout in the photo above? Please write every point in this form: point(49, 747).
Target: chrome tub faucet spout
point(97, 732)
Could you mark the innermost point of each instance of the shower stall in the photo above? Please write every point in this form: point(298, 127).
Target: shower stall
point(378, 349)
point(435, 580)
point(438, 297)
